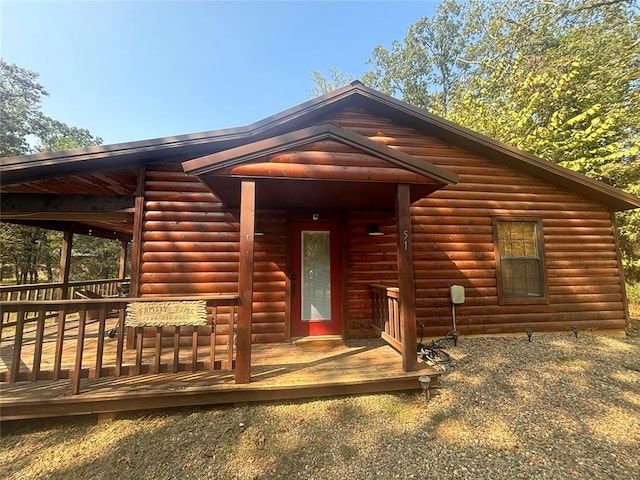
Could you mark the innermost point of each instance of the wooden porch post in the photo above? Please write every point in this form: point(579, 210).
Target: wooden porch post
point(407, 294)
point(245, 281)
point(65, 262)
point(136, 248)
point(136, 245)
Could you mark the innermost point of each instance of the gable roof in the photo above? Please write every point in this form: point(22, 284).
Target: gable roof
point(365, 183)
point(50, 164)
point(326, 131)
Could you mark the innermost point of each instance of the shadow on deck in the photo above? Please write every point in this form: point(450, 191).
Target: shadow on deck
point(278, 372)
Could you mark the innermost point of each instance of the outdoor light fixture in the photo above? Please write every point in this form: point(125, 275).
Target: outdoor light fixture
point(425, 382)
point(529, 333)
point(374, 230)
point(574, 329)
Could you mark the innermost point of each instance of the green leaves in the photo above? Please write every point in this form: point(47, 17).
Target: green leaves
point(559, 79)
point(30, 251)
point(20, 95)
point(23, 127)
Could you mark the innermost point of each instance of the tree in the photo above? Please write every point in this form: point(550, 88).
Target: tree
point(20, 95)
point(431, 65)
point(568, 94)
point(324, 85)
point(29, 251)
point(557, 78)
point(52, 135)
point(24, 128)
point(94, 257)
point(564, 98)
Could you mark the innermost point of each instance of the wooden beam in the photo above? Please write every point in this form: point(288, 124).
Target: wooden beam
point(136, 248)
point(325, 172)
point(65, 262)
point(407, 294)
point(78, 228)
point(48, 202)
point(124, 248)
point(245, 281)
point(118, 217)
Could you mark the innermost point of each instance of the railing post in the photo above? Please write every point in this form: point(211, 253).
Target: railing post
point(17, 345)
point(77, 373)
point(65, 263)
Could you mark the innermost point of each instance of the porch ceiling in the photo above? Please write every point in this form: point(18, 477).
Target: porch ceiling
point(98, 203)
point(314, 194)
point(324, 166)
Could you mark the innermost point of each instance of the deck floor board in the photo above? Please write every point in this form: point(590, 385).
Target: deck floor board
point(278, 372)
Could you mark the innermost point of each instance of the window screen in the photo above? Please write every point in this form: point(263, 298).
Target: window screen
point(520, 261)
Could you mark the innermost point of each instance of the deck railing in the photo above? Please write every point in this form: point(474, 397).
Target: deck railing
point(386, 314)
point(75, 339)
point(107, 287)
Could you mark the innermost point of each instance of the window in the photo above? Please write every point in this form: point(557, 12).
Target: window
point(520, 262)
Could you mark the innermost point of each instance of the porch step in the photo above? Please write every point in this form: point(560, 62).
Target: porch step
point(322, 343)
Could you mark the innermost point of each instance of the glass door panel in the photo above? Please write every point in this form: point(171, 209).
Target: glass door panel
point(316, 275)
point(316, 282)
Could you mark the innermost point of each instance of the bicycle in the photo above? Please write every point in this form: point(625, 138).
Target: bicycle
point(434, 352)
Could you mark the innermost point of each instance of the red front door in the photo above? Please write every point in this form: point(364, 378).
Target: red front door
point(316, 279)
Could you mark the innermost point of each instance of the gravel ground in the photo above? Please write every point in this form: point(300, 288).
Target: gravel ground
point(557, 407)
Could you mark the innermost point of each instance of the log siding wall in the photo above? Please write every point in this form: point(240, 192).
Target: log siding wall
point(190, 246)
point(453, 244)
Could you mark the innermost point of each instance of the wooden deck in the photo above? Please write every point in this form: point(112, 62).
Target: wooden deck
point(278, 372)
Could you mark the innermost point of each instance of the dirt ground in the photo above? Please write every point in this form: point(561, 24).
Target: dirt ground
point(557, 407)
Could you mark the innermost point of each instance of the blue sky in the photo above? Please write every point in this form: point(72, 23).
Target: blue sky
point(138, 69)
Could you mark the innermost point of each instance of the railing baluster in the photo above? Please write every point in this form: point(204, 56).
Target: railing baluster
point(17, 345)
point(194, 349)
point(391, 321)
point(158, 349)
point(139, 331)
point(57, 361)
point(4, 318)
point(230, 336)
point(176, 348)
point(121, 333)
point(77, 374)
point(396, 316)
point(213, 338)
point(102, 319)
point(37, 350)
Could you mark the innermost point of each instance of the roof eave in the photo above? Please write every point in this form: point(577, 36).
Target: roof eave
point(614, 197)
point(14, 169)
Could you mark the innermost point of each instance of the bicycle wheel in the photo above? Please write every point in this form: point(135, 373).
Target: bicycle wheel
point(442, 356)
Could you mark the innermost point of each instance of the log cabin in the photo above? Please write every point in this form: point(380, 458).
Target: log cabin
point(322, 215)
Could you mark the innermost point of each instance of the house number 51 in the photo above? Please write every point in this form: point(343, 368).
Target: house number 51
point(406, 242)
